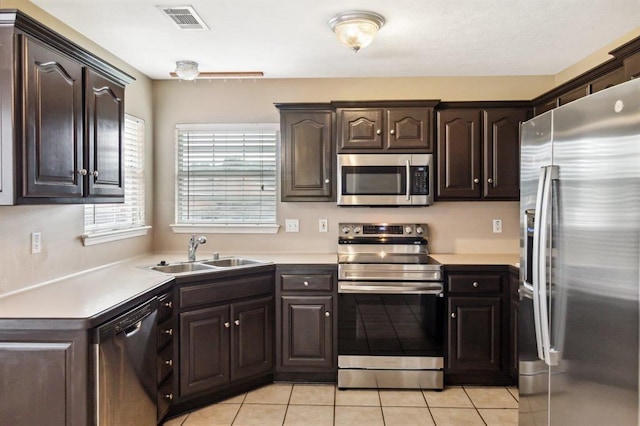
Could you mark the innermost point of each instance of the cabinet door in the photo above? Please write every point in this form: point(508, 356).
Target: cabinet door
point(308, 157)
point(474, 333)
point(546, 106)
point(204, 349)
point(632, 66)
point(409, 128)
point(360, 129)
point(307, 332)
point(459, 154)
point(252, 337)
point(501, 152)
point(573, 95)
point(52, 142)
point(105, 135)
point(608, 80)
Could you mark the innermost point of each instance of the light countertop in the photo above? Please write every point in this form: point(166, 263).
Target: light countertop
point(90, 293)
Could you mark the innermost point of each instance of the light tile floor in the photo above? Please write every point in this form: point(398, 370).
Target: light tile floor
point(311, 405)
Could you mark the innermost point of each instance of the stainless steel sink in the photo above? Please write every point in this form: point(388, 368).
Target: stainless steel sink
point(179, 268)
point(231, 262)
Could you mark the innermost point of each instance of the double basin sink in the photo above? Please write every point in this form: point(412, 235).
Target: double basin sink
point(205, 265)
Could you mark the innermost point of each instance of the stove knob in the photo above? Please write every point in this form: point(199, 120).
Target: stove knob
point(357, 229)
point(419, 230)
point(408, 230)
point(345, 229)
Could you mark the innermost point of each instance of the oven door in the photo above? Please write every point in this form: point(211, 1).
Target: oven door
point(385, 179)
point(390, 319)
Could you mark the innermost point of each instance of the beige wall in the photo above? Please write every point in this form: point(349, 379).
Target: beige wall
point(455, 227)
point(61, 226)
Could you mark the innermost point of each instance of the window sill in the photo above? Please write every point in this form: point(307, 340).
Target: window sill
point(108, 236)
point(224, 229)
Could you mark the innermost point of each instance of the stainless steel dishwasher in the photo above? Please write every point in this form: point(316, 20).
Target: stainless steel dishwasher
point(125, 368)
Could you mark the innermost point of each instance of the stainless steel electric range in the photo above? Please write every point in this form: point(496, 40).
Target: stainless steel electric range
point(390, 308)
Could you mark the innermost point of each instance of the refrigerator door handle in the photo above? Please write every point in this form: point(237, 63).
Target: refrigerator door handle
point(536, 262)
point(552, 173)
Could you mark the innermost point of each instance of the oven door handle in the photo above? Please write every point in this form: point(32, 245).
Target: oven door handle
point(367, 287)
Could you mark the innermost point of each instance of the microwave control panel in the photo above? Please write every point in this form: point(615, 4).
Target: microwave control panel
point(419, 180)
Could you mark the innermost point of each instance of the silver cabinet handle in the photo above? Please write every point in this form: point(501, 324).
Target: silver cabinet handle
point(306, 283)
point(378, 132)
point(453, 314)
point(327, 314)
point(490, 180)
point(393, 132)
point(226, 325)
point(168, 396)
point(82, 172)
point(476, 180)
point(94, 173)
point(169, 362)
point(168, 331)
point(326, 181)
point(168, 304)
point(475, 284)
point(237, 322)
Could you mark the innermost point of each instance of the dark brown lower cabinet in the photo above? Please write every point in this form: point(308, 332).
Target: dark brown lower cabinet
point(306, 329)
point(306, 305)
point(474, 327)
point(480, 348)
point(225, 343)
point(44, 378)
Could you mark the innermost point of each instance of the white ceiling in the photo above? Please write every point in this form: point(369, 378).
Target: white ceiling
point(291, 38)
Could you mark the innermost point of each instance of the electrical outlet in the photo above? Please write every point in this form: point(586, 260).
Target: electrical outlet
point(497, 226)
point(323, 225)
point(36, 242)
point(292, 225)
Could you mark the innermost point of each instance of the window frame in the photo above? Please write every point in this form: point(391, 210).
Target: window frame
point(226, 228)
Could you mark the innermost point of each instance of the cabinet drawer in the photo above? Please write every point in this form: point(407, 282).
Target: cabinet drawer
point(316, 282)
point(474, 283)
point(228, 289)
point(165, 363)
point(165, 396)
point(165, 333)
point(165, 306)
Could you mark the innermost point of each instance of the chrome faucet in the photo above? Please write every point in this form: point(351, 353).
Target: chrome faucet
point(193, 245)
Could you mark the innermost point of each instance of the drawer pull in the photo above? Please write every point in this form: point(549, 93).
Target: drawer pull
point(306, 283)
point(237, 322)
point(169, 362)
point(168, 396)
point(327, 314)
point(227, 325)
point(475, 284)
point(168, 331)
point(168, 304)
point(453, 314)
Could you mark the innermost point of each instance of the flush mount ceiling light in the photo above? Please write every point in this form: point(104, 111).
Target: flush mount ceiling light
point(356, 29)
point(187, 70)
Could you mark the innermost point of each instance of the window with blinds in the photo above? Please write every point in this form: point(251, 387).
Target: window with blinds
point(226, 174)
point(101, 218)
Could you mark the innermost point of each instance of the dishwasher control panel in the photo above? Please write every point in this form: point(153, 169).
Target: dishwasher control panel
point(123, 322)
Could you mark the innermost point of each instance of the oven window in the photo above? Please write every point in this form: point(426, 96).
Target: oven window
point(390, 324)
point(374, 180)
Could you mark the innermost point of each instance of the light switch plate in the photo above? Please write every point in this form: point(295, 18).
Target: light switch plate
point(323, 225)
point(497, 226)
point(292, 225)
point(36, 242)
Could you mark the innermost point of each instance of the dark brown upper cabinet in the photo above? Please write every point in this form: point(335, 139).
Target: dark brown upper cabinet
point(63, 128)
point(392, 127)
point(307, 155)
point(479, 153)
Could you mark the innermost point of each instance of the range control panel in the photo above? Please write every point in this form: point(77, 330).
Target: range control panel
point(383, 230)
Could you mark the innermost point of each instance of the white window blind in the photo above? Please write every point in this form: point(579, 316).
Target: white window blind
point(99, 218)
point(226, 174)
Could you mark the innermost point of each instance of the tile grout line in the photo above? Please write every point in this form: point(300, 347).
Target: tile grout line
point(464, 388)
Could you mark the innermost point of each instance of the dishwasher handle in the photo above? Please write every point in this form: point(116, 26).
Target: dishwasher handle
point(128, 323)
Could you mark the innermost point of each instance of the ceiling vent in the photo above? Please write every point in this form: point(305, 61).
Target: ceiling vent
point(184, 17)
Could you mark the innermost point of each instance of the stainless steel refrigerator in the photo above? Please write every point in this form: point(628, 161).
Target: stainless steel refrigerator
point(578, 319)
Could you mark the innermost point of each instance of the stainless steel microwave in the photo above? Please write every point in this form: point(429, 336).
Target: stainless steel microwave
point(385, 179)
